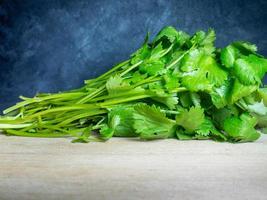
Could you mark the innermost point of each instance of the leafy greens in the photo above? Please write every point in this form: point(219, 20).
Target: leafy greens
point(177, 86)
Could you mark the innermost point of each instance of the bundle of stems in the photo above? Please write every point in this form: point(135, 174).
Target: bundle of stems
point(177, 86)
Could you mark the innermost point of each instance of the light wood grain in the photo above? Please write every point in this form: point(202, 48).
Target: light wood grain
point(120, 169)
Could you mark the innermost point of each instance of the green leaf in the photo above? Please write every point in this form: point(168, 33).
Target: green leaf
point(252, 98)
point(245, 48)
point(158, 89)
point(177, 54)
point(208, 42)
point(185, 99)
point(157, 52)
point(220, 95)
point(169, 33)
point(239, 91)
point(250, 70)
point(209, 38)
point(170, 81)
point(207, 129)
point(195, 97)
point(151, 123)
point(205, 41)
point(84, 138)
point(141, 54)
point(181, 135)
point(171, 100)
point(228, 56)
point(203, 78)
point(191, 119)
point(198, 37)
point(152, 67)
point(219, 115)
point(214, 73)
point(191, 60)
point(182, 38)
point(107, 130)
point(115, 84)
point(125, 126)
point(137, 77)
point(241, 129)
point(195, 81)
point(235, 51)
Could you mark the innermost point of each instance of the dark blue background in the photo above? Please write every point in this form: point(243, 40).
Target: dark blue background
point(52, 45)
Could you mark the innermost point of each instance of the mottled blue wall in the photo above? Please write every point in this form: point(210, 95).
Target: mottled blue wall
point(52, 45)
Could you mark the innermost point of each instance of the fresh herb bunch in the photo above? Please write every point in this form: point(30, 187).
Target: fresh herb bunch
point(177, 86)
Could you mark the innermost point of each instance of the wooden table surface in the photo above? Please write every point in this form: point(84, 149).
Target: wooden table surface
point(32, 168)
